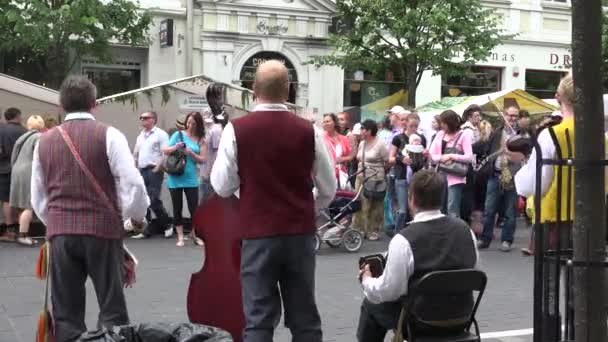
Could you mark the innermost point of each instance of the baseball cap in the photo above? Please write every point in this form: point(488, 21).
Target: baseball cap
point(356, 129)
point(396, 110)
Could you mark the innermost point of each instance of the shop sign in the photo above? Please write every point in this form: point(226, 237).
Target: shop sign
point(564, 60)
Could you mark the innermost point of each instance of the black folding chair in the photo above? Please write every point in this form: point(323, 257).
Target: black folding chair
point(445, 293)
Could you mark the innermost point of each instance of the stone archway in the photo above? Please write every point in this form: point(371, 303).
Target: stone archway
point(247, 71)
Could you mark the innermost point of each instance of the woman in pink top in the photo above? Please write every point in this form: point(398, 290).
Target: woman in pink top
point(451, 135)
point(338, 146)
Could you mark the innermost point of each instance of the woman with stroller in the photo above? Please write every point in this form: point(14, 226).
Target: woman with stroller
point(373, 160)
point(338, 147)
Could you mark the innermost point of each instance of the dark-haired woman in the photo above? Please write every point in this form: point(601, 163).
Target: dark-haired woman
point(192, 142)
point(338, 146)
point(451, 136)
point(373, 158)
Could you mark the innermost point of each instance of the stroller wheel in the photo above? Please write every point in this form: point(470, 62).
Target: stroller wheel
point(317, 242)
point(333, 244)
point(352, 240)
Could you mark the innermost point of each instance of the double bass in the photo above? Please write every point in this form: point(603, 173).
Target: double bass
point(214, 295)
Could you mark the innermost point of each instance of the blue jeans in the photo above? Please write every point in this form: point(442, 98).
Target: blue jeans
point(205, 190)
point(389, 221)
point(494, 195)
point(401, 187)
point(454, 199)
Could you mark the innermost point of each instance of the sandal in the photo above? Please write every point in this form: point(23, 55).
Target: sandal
point(180, 243)
point(373, 237)
point(198, 241)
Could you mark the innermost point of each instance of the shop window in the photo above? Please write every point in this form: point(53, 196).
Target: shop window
point(367, 96)
point(113, 81)
point(479, 81)
point(543, 84)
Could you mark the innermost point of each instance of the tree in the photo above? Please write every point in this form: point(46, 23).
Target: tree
point(408, 37)
point(47, 38)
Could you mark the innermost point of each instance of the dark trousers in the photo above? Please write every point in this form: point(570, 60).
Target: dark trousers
point(73, 258)
point(376, 319)
point(275, 268)
point(154, 181)
point(178, 203)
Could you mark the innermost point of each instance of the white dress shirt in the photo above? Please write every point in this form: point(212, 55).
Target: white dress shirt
point(132, 196)
point(148, 147)
point(225, 173)
point(394, 281)
point(525, 179)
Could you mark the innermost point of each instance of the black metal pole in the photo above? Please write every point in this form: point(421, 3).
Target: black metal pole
point(589, 219)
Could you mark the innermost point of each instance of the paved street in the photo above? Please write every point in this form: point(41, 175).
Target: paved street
point(164, 272)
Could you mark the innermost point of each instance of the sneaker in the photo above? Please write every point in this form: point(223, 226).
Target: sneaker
point(138, 236)
point(481, 244)
point(505, 246)
point(168, 232)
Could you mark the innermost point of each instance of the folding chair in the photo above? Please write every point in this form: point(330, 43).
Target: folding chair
point(450, 290)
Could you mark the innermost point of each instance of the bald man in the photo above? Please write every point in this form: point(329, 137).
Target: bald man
point(280, 158)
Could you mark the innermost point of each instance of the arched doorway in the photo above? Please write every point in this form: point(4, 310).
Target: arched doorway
point(248, 71)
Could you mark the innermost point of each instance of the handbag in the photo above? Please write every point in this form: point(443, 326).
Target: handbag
point(129, 260)
point(175, 163)
point(455, 168)
point(372, 188)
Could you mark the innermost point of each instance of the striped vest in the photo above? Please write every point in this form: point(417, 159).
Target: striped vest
point(74, 207)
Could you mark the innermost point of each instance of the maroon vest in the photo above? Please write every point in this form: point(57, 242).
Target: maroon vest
point(74, 207)
point(275, 152)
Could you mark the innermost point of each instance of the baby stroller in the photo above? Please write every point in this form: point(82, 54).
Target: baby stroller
point(336, 229)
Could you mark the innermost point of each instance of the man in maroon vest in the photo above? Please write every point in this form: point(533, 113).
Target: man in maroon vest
point(84, 230)
point(274, 158)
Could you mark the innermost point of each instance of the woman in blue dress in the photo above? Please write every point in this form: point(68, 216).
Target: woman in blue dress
point(192, 141)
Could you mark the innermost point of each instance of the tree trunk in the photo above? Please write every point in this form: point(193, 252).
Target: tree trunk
point(589, 220)
point(411, 85)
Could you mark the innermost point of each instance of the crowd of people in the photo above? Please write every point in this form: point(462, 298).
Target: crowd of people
point(467, 150)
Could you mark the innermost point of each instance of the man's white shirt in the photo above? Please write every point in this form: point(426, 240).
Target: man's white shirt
point(148, 147)
point(394, 281)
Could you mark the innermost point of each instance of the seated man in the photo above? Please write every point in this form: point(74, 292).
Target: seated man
point(431, 242)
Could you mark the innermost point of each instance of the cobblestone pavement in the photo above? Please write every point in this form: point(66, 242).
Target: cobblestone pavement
point(164, 273)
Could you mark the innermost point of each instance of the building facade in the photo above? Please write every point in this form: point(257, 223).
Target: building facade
point(534, 60)
point(227, 39)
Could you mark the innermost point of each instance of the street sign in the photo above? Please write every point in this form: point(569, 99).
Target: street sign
point(192, 102)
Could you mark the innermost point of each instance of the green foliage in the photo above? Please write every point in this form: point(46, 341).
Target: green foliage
point(52, 35)
point(411, 36)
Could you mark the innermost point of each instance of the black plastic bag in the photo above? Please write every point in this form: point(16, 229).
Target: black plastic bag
point(159, 332)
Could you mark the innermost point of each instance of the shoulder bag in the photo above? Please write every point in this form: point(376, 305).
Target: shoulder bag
point(175, 163)
point(372, 188)
point(455, 168)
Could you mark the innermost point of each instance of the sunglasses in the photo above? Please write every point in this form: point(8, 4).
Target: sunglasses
point(142, 118)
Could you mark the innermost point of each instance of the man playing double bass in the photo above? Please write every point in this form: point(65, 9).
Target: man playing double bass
point(273, 158)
